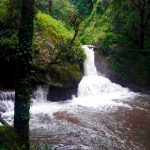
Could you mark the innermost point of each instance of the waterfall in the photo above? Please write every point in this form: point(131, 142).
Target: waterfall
point(100, 117)
point(93, 90)
point(40, 94)
point(6, 101)
point(93, 84)
point(7, 98)
point(7, 95)
point(89, 65)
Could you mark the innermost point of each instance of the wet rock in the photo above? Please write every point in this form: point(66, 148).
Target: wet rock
point(70, 147)
point(103, 67)
point(67, 116)
point(61, 94)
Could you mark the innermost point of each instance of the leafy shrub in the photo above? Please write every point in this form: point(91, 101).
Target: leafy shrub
point(8, 139)
point(56, 56)
point(108, 42)
point(131, 67)
point(52, 26)
point(3, 10)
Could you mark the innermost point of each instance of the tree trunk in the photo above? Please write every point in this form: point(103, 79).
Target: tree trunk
point(142, 30)
point(23, 72)
point(50, 7)
point(141, 39)
point(74, 36)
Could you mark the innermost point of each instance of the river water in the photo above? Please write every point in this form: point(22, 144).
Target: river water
point(104, 116)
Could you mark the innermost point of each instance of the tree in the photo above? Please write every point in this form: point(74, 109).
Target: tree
point(23, 72)
point(131, 19)
point(44, 6)
point(75, 21)
point(84, 7)
point(50, 6)
point(143, 9)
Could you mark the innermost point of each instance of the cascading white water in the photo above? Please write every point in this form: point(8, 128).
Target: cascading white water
point(89, 65)
point(94, 84)
point(6, 101)
point(85, 122)
point(40, 94)
point(7, 95)
point(93, 91)
point(7, 98)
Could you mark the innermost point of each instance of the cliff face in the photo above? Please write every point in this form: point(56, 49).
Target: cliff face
point(103, 67)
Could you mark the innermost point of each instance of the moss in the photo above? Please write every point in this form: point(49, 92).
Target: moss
point(48, 33)
point(54, 27)
point(65, 71)
point(3, 10)
point(56, 60)
point(121, 65)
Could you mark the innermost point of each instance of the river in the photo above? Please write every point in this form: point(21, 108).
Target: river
point(104, 116)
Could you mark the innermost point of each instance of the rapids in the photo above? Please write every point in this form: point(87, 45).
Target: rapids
point(104, 115)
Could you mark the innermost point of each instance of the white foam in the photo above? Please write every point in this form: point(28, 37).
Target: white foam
point(94, 91)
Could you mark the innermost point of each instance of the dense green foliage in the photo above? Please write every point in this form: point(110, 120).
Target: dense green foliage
point(84, 7)
point(52, 41)
point(121, 29)
point(118, 27)
point(8, 139)
point(54, 51)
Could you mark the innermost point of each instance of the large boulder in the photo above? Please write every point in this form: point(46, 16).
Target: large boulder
point(61, 94)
